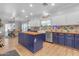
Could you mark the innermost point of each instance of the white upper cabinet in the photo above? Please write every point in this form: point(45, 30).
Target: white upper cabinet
point(66, 19)
point(59, 20)
point(73, 18)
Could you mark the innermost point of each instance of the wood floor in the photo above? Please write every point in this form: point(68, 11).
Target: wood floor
point(9, 44)
point(47, 50)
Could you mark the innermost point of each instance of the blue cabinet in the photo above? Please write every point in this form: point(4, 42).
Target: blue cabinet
point(61, 38)
point(21, 38)
point(25, 41)
point(43, 36)
point(31, 42)
point(55, 38)
point(38, 43)
point(69, 40)
point(77, 41)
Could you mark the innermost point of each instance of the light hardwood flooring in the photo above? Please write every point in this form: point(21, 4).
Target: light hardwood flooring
point(9, 44)
point(48, 49)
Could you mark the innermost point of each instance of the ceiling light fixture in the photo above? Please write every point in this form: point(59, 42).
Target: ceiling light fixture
point(31, 5)
point(31, 13)
point(26, 16)
point(23, 10)
point(52, 4)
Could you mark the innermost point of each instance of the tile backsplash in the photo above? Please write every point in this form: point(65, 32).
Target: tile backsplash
point(69, 28)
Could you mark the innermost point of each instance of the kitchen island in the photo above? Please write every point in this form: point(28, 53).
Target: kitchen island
point(31, 40)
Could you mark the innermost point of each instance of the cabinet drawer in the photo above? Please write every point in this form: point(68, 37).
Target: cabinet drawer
point(77, 35)
point(69, 36)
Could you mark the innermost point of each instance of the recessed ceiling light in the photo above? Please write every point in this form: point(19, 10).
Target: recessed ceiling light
point(23, 10)
point(26, 16)
point(31, 13)
point(31, 5)
point(52, 4)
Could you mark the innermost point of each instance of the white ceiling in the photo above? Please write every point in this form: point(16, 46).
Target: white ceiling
point(8, 9)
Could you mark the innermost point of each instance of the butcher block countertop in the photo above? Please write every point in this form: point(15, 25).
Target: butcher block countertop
point(67, 32)
point(57, 31)
point(70, 32)
point(32, 33)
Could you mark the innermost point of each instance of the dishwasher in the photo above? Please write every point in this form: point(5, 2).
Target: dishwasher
point(49, 36)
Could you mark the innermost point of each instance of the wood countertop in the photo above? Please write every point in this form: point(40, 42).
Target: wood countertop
point(32, 33)
point(37, 33)
point(67, 32)
point(63, 32)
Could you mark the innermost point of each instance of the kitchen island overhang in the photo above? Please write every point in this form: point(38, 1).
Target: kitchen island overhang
point(31, 40)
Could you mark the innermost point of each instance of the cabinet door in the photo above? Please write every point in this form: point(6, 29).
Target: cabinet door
point(38, 42)
point(55, 38)
point(43, 36)
point(29, 42)
point(59, 20)
point(69, 40)
point(73, 18)
point(26, 40)
point(77, 41)
point(70, 43)
point(21, 38)
point(61, 38)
